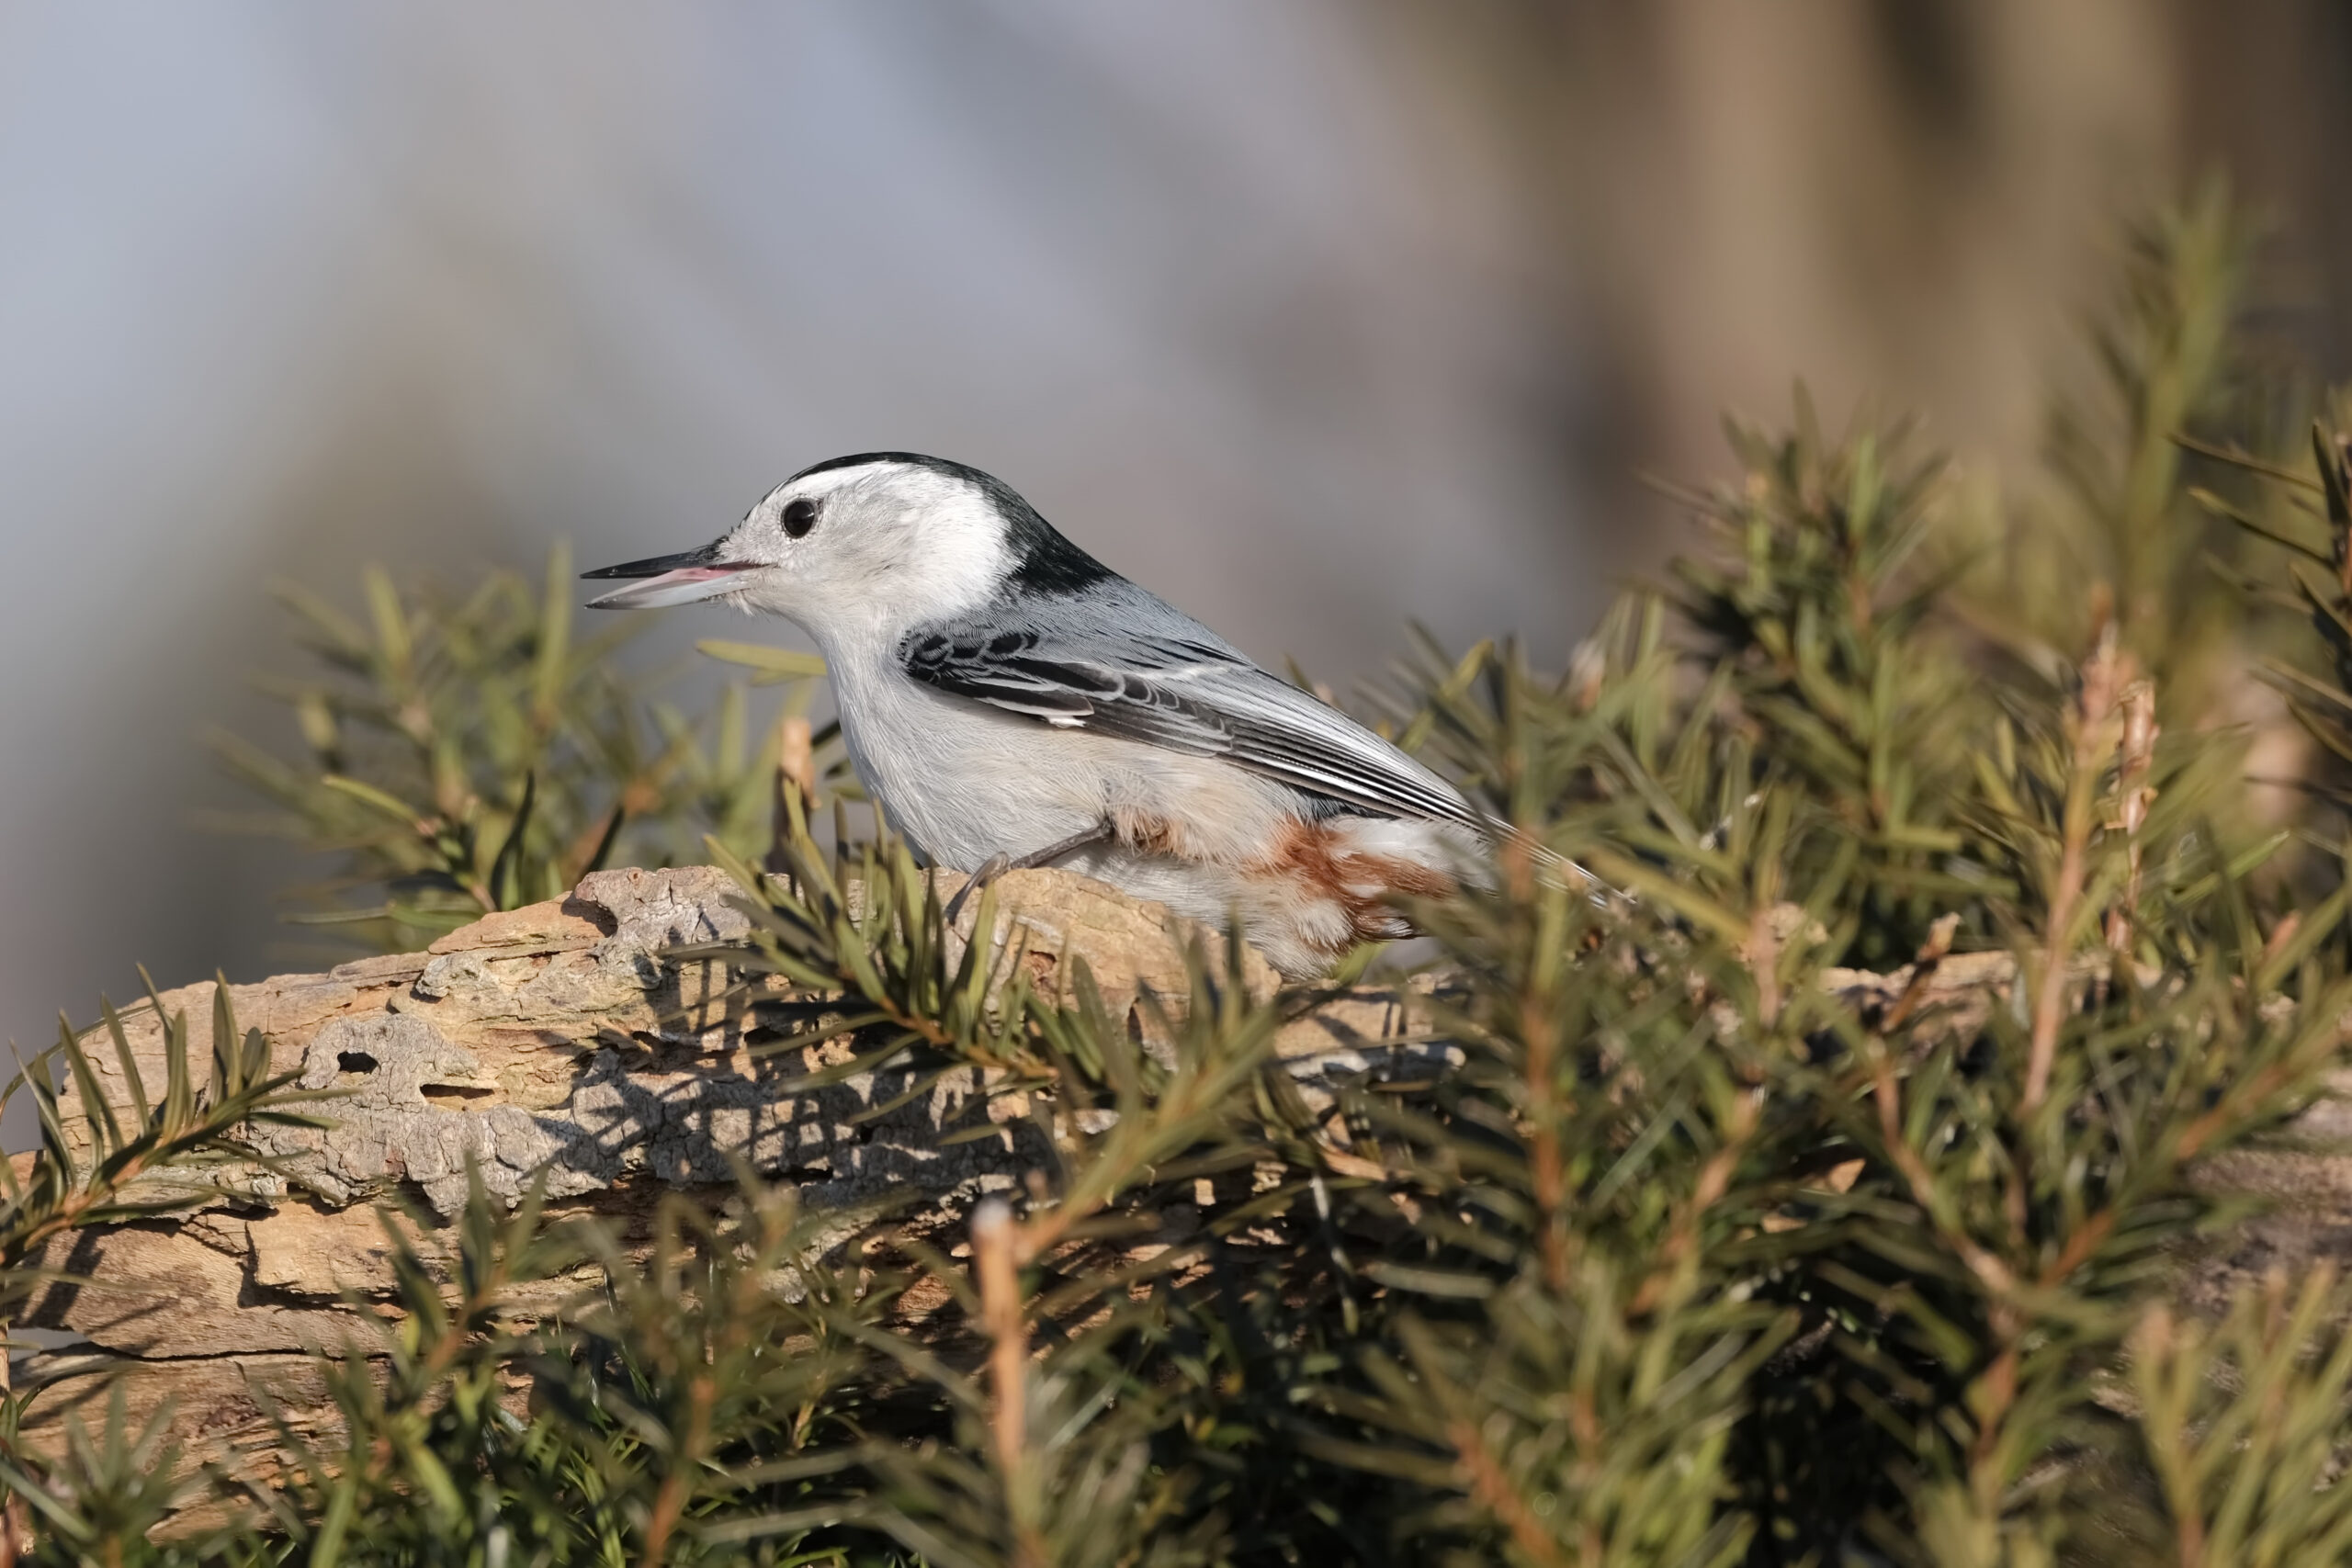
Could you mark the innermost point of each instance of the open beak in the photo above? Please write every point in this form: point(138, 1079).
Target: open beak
point(661, 580)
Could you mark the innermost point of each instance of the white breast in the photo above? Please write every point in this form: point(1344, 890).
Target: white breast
point(962, 781)
point(965, 782)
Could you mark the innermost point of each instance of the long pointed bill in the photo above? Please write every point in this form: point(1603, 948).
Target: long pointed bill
point(688, 578)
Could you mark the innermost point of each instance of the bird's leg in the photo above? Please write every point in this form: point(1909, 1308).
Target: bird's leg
point(995, 865)
point(1102, 832)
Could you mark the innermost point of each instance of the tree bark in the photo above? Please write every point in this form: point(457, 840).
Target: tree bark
point(556, 1043)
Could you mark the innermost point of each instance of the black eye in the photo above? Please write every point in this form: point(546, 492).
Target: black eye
point(800, 517)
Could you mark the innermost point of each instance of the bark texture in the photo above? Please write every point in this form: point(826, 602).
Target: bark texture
point(560, 1039)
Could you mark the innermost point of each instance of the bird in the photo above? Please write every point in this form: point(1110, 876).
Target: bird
point(1011, 702)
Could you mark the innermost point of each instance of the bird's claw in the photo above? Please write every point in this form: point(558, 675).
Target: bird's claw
point(995, 865)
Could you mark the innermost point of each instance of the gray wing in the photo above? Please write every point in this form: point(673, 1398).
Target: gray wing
point(1116, 661)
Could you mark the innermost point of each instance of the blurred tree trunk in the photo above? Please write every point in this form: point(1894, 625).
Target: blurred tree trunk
point(1913, 202)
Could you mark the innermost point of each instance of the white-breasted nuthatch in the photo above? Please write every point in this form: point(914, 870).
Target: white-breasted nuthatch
point(1012, 702)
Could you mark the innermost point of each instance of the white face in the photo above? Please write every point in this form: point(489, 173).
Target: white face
point(846, 553)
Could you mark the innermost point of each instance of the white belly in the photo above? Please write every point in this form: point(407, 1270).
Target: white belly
point(959, 780)
point(964, 782)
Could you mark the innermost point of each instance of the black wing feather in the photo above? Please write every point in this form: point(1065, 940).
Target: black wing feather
point(1078, 663)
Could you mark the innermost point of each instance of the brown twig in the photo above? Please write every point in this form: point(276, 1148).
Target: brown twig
point(1763, 952)
point(1888, 1097)
point(1715, 1181)
point(2105, 676)
point(1491, 1485)
point(995, 1243)
point(795, 778)
point(2134, 796)
point(670, 1500)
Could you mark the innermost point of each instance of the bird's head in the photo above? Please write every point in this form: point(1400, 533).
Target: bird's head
point(870, 544)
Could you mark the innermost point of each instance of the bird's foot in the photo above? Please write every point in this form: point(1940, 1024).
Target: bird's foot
point(995, 865)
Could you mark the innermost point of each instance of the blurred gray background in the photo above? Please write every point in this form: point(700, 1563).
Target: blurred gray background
point(1316, 315)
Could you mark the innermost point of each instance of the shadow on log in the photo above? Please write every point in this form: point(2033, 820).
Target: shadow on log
point(558, 1043)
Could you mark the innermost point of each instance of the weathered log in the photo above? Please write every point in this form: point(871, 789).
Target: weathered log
point(557, 1044)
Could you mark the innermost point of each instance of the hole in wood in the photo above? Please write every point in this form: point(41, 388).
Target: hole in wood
point(355, 1061)
point(454, 1091)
